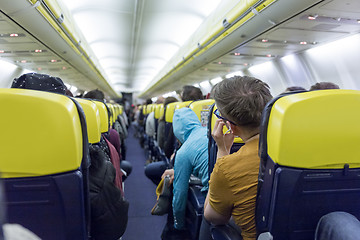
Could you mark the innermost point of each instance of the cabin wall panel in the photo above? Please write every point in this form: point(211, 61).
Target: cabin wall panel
point(8, 72)
point(337, 62)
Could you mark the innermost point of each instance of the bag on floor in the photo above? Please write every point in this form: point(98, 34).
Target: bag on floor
point(163, 202)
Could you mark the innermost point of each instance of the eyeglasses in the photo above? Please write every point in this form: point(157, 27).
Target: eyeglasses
point(217, 114)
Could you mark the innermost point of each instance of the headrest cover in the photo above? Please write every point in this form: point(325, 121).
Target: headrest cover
point(170, 108)
point(104, 117)
point(318, 129)
point(201, 108)
point(41, 134)
point(92, 116)
point(42, 82)
point(157, 110)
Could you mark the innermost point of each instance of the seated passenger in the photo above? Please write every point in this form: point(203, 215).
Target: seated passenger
point(233, 182)
point(323, 86)
point(155, 170)
point(161, 124)
point(150, 120)
point(113, 140)
point(191, 158)
point(338, 225)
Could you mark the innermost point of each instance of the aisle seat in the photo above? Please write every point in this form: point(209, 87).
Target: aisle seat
point(44, 154)
point(310, 166)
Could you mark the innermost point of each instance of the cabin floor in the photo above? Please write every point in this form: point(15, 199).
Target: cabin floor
point(140, 192)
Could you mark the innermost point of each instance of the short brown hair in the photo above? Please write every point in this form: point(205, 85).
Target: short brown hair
point(191, 93)
point(242, 99)
point(323, 86)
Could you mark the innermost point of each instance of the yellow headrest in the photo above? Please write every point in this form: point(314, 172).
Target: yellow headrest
point(144, 108)
point(319, 129)
point(149, 108)
point(121, 110)
point(157, 110)
point(41, 133)
point(104, 118)
point(170, 108)
point(92, 119)
point(213, 120)
point(113, 114)
point(201, 108)
point(182, 105)
point(161, 114)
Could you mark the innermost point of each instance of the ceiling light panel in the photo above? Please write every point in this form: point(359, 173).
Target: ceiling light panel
point(141, 34)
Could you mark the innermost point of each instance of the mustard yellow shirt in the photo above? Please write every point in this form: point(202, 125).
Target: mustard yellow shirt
point(233, 187)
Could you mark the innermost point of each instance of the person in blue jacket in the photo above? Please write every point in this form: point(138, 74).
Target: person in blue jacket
point(191, 158)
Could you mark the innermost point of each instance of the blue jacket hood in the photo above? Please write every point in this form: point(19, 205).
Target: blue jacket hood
point(185, 121)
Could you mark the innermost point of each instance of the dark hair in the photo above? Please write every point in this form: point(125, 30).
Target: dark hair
point(242, 99)
point(148, 101)
point(294, 88)
point(95, 94)
point(324, 85)
point(166, 102)
point(41, 82)
point(191, 93)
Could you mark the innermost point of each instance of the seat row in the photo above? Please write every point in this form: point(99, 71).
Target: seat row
point(45, 159)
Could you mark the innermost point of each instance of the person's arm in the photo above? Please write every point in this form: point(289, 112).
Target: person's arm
point(182, 170)
point(223, 141)
point(212, 216)
point(218, 203)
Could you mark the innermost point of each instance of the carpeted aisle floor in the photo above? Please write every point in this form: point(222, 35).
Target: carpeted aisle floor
point(140, 192)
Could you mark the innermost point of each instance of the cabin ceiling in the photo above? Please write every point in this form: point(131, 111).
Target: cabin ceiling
point(132, 41)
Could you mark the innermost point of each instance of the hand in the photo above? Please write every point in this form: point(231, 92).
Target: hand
point(170, 173)
point(223, 141)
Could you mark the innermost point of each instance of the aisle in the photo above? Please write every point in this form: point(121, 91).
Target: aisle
point(140, 192)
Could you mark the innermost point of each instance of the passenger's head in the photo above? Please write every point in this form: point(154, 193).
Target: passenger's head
point(160, 100)
point(166, 102)
point(41, 82)
point(148, 101)
point(294, 88)
point(242, 100)
point(95, 94)
point(323, 86)
point(185, 121)
point(191, 93)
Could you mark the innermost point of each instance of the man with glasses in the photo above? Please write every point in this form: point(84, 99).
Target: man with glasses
point(233, 182)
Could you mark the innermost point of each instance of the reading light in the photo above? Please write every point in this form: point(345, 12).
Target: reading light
point(53, 60)
point(237, 54)
point(268, 55)
point(312, 17)
point(2, 51)
point(219, 62)
point(303, 43)
point(23, 61)
point(264, 40)
point(14, 35)
point(38, 50)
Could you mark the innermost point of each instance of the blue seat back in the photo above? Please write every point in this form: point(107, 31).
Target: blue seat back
point(44, 163)
point(309, 161)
